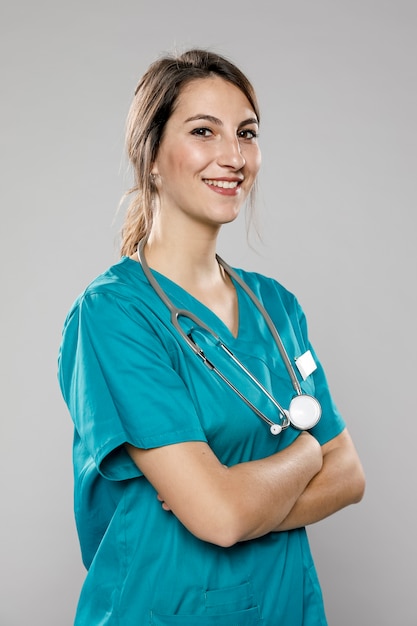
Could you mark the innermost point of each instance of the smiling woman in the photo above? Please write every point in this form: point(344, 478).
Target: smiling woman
point(206, 163)
point(189, 509)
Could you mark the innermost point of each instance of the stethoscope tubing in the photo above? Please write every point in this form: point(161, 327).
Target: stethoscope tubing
point(271, 326)
point(176, 313)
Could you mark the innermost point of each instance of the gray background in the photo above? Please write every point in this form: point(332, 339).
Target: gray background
point(337, 86)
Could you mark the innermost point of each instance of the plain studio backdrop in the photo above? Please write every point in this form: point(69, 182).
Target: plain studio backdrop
point(336, 81)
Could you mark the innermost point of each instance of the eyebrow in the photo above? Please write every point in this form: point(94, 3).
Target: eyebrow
point(215, 120)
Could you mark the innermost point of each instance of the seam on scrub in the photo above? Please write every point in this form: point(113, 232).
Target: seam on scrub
point(122, 574)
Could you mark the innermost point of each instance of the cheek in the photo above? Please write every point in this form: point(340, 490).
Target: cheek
point(257, 160)
point(187, 161)
point(198, 156)
point(253, 161)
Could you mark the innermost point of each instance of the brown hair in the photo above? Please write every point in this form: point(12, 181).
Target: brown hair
point(154, 101)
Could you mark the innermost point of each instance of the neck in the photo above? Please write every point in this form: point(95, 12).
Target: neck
point(189, 260)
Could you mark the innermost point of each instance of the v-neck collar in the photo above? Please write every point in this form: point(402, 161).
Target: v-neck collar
point(183, 299)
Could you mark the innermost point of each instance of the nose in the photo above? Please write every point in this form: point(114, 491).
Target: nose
point(230, 154)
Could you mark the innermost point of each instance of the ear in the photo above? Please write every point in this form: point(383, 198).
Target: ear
point(154, 168)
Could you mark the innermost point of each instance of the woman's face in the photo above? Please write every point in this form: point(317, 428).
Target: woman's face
point(209, 156)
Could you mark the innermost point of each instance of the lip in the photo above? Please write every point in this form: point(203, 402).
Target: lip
point(225, 185)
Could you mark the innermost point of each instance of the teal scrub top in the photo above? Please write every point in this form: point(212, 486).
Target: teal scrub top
point(127, 376)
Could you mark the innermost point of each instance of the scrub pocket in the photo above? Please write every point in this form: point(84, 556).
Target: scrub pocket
point(231, 606)
point(250, 617)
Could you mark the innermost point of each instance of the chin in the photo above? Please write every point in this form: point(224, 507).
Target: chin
point(226, 217)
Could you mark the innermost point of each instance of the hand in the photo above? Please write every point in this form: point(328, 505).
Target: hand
point(164, 505)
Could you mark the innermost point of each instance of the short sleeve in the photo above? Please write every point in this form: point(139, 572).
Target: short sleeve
point(118, 380)
point(331, 422)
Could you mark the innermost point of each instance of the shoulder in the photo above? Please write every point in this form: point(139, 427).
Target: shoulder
point(117, 307)
point(120, 306)
point(268, 289)
point(116, 317)
point(121, 286)
point(122, 279)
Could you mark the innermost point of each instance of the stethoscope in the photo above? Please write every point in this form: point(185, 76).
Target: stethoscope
point(304, 410)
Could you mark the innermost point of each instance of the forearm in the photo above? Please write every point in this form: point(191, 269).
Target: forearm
point(266, 491)
point(224, 505)
point(339, 483)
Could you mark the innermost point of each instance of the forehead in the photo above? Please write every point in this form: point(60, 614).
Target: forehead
point(212, 95)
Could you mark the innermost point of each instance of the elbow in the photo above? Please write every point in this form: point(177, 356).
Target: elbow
point(221, 537)
point(228, 537)
point(355, 483)
point(227, 527)
point(224, 533)
point(359, 486)
point(225, 539)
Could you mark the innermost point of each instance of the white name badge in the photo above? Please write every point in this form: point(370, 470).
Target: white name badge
point(306, 365)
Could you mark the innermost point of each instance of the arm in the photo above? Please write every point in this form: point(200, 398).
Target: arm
point(225, 505)
point(339, 483)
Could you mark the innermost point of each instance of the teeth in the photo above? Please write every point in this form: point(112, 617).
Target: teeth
point(225, 184)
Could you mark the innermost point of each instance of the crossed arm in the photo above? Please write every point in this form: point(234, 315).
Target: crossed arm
point(224, 505)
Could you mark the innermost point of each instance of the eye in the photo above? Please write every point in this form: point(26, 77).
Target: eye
point(201, 132)
point(247, 133)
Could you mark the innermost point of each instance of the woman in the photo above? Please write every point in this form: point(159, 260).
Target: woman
point(189, 509)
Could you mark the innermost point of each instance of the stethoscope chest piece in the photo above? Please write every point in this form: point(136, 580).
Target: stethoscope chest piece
point(304, 412)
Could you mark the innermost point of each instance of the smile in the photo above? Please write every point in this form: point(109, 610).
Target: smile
point(224, 184)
